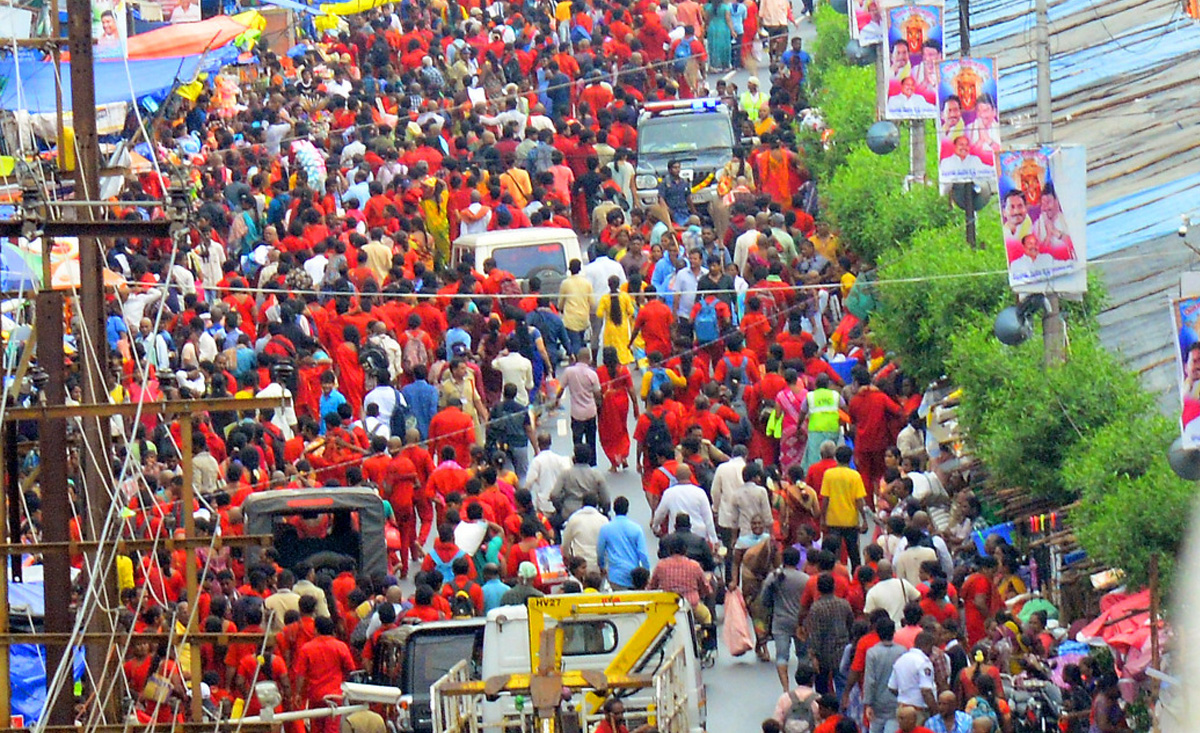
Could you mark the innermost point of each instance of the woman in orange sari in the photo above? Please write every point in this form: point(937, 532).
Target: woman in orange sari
point(616, 388)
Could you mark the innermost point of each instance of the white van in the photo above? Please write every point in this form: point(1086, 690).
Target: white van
point(593, 643)
point(541, 251)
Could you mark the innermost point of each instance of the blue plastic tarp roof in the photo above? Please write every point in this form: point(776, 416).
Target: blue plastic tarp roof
point(33, 90)
point(293, 5)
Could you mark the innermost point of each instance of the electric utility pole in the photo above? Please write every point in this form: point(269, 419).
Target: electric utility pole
point(1054, 330)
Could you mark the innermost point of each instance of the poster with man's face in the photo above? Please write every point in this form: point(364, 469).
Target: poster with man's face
point(968, 128)
point(109, 29)
point(866, 21)
point(1185, 322)
point(1043, 207)
point(913, 61)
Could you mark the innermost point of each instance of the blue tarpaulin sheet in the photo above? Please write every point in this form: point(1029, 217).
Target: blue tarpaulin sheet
point(27, 674)
point(34, 89)
point(293, 5)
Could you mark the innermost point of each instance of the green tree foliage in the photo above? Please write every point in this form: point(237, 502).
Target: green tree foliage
point(846, 99)
point(1129, 520)
point(1025, 419)
point(917, 318)
point(1083, 430)
point(866, 203)
point(829, 48)
point(1122, 450)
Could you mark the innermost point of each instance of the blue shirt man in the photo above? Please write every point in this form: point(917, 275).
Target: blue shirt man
point(664, 272)
point(621, 546)
point(422, 399)
point(331, 399)
point(493, 588)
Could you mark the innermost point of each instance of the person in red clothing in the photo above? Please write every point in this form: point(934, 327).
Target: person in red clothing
point(296, 634)
point(399, 486)
point(655, 409)
point(322, 665)
point(444, 553)
point(738, 357)
point(936, 602)
point(870, 410)
point(448, 477)
point(654, 321)
point(387, 621)
point(239, 649)
point(453, 428)
point(344, 583)
point(462, 582)
point(980, 599)
point(423, 608)
point(272, 667)
point(757, 328)
point(815, 365)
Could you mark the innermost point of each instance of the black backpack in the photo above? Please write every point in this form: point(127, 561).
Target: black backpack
point(398, 425)
point(658, 436)
point(373, 359)
point(735, 377)
point(461, 604)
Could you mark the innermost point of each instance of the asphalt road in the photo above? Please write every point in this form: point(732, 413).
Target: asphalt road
point(742, 691)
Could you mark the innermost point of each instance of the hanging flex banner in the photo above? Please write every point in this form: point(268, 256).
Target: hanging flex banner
point(914, 56)
point(866, 21)
point(968, 125)
point(1043, 204)
point(1185, 323)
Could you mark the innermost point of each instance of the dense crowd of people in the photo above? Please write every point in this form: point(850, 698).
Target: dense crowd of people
point(781, 454)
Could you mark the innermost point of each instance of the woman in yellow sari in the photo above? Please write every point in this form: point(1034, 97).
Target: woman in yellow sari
point(617, 311)
point(435, 212)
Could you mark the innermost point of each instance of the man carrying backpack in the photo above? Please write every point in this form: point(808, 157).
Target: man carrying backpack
point(463, 593)
point(656, 431)
point(797, 709)
point(737, 368)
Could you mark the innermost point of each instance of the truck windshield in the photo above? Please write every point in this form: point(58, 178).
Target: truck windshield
point(431, 656)
point(682, 133)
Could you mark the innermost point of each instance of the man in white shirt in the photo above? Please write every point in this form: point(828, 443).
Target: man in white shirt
point(581, 533)
point(686, 497)
point(727, 482)
point(543, 473)
point(384, 395)
point(315, 265)
point(890, 593)
point(284, 417)
point(963, 166)
point(1032, 265)
point(597, 273)
point(912, 677)
point(909, 104)
point(907, 564)
point(187, 11)
point(515, 369)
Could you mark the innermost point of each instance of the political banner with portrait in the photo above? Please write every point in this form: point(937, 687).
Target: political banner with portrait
point(968, 127)
point(109, 28)
point(913, 61)
point(866, 21)
point(1185, 322)
point(1043, 205)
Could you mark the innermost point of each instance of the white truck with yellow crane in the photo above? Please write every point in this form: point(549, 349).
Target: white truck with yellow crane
point(549, 667)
